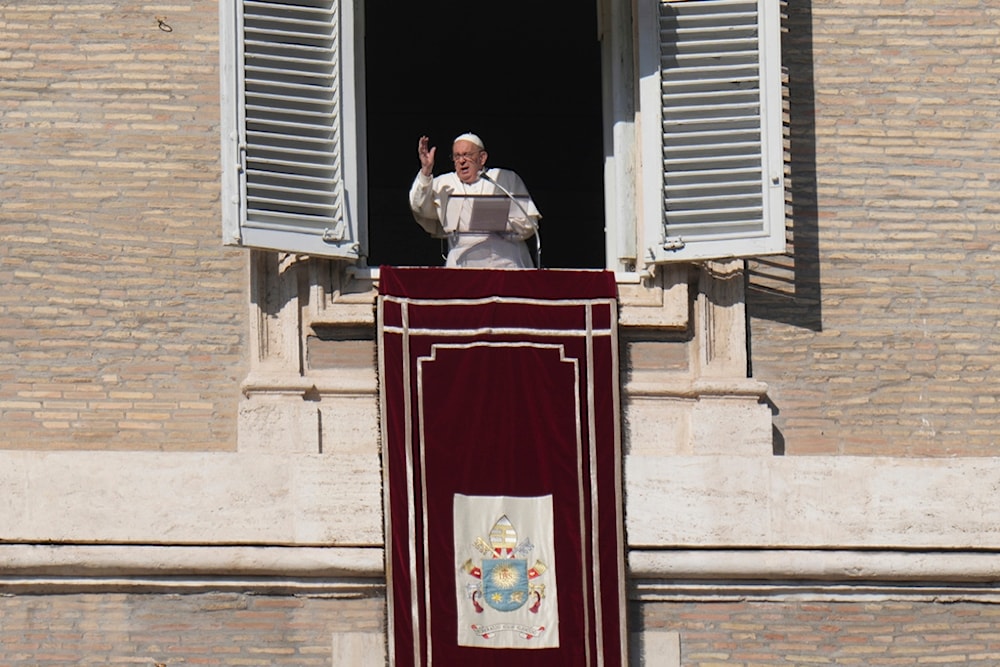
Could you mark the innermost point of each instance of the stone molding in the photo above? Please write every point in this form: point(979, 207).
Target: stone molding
point(335, 293)
point(654, 575)
point(334, 571)
point(816, 565)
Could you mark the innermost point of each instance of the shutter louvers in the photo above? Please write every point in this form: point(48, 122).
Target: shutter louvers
point(293, 166)
point(718, 171)
point(711, 117)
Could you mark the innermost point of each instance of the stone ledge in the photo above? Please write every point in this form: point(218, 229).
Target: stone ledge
point(342, 572)
point(348, 382)
point(736, 388)
point(657, 299)
point(134, 560)
point(654, 575)
point(841, 565)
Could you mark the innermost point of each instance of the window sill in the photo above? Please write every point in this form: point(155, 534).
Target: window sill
point(646, 299)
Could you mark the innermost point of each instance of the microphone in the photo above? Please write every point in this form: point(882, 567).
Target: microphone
point(538, 237)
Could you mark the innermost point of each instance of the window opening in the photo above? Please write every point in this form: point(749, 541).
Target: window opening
point(530, 87)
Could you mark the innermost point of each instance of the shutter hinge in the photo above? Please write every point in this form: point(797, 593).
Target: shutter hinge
point(675, 243)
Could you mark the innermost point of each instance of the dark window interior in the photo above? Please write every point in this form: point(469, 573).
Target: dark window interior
point(524, 76)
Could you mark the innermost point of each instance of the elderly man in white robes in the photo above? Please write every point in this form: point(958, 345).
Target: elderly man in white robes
point(443, 206)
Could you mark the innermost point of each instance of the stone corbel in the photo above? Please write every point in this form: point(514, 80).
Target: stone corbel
point(721, 320)
point(274, 307)
point(341, 295)
point(657, 299)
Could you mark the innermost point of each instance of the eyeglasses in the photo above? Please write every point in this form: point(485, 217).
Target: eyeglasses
point(458, 157)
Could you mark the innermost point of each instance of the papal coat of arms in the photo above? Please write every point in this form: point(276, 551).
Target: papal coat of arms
point(504, 580)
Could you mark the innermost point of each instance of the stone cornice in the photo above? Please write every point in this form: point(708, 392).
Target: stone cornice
point(654, 575)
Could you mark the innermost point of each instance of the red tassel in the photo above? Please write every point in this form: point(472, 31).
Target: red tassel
point(479, 609)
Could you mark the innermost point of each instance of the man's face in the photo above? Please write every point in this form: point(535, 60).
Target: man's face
point(469, 160)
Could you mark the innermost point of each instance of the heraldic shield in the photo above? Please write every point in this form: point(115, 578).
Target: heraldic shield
point(506, 588)
point(505, 583)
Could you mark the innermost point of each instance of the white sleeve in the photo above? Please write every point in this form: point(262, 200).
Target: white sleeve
point(422, 204)
point(521, 226)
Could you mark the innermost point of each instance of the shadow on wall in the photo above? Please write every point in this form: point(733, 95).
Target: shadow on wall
point(777, 437)
point(786, 288)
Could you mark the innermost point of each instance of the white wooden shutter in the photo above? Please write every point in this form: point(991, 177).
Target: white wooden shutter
point(286, 144)
point(712, 152)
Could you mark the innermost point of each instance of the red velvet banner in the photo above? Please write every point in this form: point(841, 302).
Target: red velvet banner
point(501, 450)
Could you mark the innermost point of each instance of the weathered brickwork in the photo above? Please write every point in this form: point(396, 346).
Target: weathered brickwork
point(204, 629)
point(880, 335)
point(238, 629)
point(122, 316)
point(779, 634)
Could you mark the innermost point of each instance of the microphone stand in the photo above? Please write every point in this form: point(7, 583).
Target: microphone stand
point(538, 237)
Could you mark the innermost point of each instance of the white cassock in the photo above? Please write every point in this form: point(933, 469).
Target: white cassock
point(443, 215)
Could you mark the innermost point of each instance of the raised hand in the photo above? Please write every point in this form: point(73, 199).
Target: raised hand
point(426, 154)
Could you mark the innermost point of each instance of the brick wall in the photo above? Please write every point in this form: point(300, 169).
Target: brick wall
point(238, 629)
point(778, 634)
point(122, 317)
point(147, 630)
point(878, 334)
